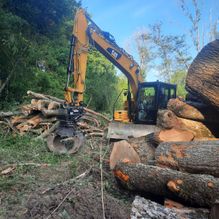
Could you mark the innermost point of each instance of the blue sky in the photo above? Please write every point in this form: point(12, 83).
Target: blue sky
point(122, 18)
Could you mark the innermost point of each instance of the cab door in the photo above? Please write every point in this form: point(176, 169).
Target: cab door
point(146, 105)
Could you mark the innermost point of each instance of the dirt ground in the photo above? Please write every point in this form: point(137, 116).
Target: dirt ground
point(53, 190)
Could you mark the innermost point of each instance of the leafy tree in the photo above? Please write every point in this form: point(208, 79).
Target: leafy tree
point(101, 82)
point(34, 47)
point(179, 78)
point(142, 40)
point(200, 32)
point(171, 52)
point(44, 16)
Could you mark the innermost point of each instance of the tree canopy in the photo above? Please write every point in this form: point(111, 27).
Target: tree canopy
point(34, 43)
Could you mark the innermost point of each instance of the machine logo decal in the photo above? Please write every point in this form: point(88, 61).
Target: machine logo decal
point(114, 53)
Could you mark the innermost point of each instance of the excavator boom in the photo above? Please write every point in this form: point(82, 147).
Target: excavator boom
point(85, 33)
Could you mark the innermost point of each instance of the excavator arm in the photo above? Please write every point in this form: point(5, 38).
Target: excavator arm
point(86, 33)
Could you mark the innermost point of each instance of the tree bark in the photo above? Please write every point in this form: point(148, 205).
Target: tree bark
point(193, 157)
point(199, 112)
point(167, 120)
point(144, 208)
point(194, 189)
point(144, 147)
point(203, 75)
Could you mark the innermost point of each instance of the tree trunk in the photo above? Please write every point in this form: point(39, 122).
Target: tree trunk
point(193, 157)
point(167, 120)
point(172, 135)
point(144, 208)
point(194, 189)
point(199, 112)
point(203, 75)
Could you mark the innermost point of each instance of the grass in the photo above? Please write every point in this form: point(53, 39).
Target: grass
point(15, 148)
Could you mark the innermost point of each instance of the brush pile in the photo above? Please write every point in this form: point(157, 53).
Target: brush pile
point(40, 117)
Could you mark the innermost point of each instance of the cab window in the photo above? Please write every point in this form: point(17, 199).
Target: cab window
point(163, 97)
point(147, 96)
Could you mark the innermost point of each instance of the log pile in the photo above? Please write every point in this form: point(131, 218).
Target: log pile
point(40, 118)
point(184, 166)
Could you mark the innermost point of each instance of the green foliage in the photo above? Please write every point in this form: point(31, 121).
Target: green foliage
point(122, 86)
point(34, 43)
point(101, 82)
point(44, 16)
point(179, 78)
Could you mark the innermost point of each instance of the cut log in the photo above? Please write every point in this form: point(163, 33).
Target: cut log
point(172, 204)
point(203, 75)
point(199, 112)
point(18, 119)
point(194, 189)
point(53, 105)
point(199, 129)
point(49, 131)
point(57, 112)
point(8, 114)
point(144, 148)
point(172, 135)
point(193, 157)
point(167, 120)
point(30, 123)
point(121, 151)
point(44, 97)
point(144, 208)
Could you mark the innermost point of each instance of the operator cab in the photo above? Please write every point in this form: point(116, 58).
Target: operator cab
point(151, 97)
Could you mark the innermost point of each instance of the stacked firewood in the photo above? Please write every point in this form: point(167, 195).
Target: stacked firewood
point(183, 165)
point(40, 117)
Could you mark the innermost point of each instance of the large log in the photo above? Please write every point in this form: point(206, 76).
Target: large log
point(193, 111)
point(167, 119)
point(144, 208)
point(203, 75)
point(194, 189)
point(121, 151)
point(193, 157)
point(144, 147)
point(172, 135)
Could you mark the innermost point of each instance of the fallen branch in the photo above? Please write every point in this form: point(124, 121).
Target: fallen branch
point(8, 123)
point(97, 114)
point(99, 134)
point(60, 203)
point(49, 131)
point(45, 97)
point(81, 176)
point(8, 114)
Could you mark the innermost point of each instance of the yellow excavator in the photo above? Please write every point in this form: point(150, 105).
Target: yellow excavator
point(143, 98)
